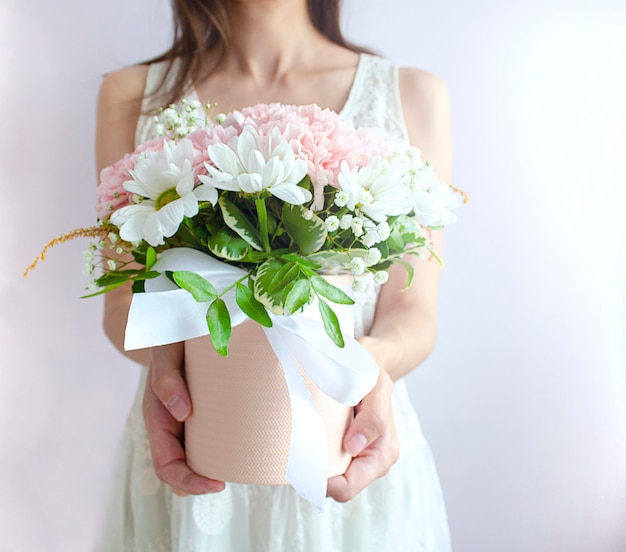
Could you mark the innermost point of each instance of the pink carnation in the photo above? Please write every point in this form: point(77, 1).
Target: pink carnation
point(319, 136)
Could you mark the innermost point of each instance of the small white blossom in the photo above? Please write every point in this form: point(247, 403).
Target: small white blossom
point(381, 277)
point(89, 254)
point(345, 222)
point(307, 214)
point(373, 256)
point(357, 266)
point(370, 238)
point(359, 286)
point(88, 268)
point(357, 226)
point(332, 223)
point(341, 198)
point(100, 245)
point(384, 231)
point(112, 264)
point(220, 118)
point(113, 237)
point(119, 251)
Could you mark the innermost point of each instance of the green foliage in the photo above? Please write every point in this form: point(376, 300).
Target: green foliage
point(220, 329)
point(332, 293)
point(240, 223)
point(228, 245)
point(308, 235)
point(250, 306)
point(331, 323)
point(299, 295)
point(200, 288)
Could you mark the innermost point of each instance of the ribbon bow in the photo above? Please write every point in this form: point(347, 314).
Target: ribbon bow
point(345, 374)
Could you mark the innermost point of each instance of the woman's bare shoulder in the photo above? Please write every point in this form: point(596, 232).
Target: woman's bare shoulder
point(119, 106)
point(124, 85)
point(426, 107)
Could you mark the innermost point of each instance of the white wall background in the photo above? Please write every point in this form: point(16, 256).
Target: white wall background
point(524, 399)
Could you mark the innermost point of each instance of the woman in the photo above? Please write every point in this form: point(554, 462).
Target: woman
point(238, 53)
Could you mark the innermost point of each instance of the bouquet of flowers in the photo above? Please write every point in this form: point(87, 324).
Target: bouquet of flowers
point(246, 216)
point(286, 193)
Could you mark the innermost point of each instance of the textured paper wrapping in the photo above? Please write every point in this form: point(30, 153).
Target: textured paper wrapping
point(240, 428)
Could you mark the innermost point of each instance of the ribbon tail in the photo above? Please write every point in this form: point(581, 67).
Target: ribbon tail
point(307, 466)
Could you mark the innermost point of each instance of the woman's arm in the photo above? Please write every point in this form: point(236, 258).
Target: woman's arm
point(404, 328)
point(119, 104)
point(166, 400)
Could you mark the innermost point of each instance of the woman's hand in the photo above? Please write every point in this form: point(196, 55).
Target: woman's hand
point(166, 405)
point(371, 439)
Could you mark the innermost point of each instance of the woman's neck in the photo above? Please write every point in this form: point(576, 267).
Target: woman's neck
point(269, 38)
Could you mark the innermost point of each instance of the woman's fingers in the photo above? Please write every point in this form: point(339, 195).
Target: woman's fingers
point(167, 380)
point(168, 456)
point(372, 441)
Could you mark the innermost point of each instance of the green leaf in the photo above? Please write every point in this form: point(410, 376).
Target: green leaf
point(103, 290)
point(395, 240)
point(265, 277)
point(300, 260)
point(117, 277)
point(150, 258)
point(200, 288)
point(333, 260)
point(331, 323)
point(218, 321)
point(308, 235)
point(228, 245)
point(410, 272)
point(237, 221)
point(250, 306)
point(139, 286)
point(332, 293)
point(298, 296)
point(283, 277)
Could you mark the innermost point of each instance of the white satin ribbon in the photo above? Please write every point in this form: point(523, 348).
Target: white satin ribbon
point(166, 314)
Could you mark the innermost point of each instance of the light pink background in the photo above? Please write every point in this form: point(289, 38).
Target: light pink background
point(524, 398)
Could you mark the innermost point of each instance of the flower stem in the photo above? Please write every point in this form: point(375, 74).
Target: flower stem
point(262, 214)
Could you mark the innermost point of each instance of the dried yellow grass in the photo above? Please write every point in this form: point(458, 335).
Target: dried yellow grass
point(91, 232)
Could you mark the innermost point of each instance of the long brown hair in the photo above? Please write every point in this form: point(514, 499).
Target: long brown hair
point(201, 25)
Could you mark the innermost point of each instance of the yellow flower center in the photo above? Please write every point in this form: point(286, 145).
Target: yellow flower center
point(166, 197)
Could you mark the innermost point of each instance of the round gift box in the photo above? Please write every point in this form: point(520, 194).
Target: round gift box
point(240, 428)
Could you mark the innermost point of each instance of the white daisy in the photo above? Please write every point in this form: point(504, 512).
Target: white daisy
point(251, 163)
point(164, 183)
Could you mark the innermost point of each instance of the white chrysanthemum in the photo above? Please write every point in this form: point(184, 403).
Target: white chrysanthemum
point(430, 199)
point(165, 182)
point(357, 265)
point(332, 223)
point(373, 192)
point(251, 163)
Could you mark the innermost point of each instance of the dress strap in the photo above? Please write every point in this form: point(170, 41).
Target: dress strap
point(375, 98)
point(145, 125)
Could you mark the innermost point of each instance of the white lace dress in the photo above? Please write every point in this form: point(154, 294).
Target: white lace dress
point(402, 511)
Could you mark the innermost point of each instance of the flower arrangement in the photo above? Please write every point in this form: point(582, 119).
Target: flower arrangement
point(285, 193)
